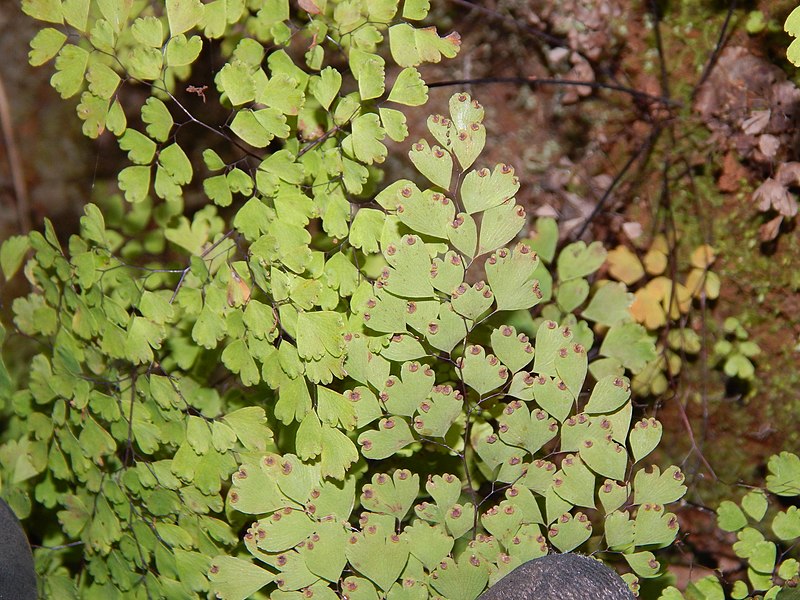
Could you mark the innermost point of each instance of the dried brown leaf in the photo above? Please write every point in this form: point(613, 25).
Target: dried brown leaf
point(769, 145)
point(769, 230)
point(310, 6)
point(769, 194)
point(632, 229)
point(756, 122)
point(788, 173)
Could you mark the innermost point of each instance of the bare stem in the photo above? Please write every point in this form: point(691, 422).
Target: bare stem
point(14, 163)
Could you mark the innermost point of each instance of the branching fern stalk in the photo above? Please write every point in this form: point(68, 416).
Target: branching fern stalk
point(769, 553)
point(323, 348)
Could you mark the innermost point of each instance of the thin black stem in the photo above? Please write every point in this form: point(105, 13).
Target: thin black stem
point(205, 253)
point(617, 179)
point(712, 60)
point(541, 81)
point(660, 47)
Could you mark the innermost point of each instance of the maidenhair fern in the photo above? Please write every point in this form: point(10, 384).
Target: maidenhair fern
point(386, 393)
point(435, 369)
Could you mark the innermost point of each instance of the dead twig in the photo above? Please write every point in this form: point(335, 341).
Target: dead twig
point(541, 81)
point(640, 151)
point(14, 163)
point(712, 60)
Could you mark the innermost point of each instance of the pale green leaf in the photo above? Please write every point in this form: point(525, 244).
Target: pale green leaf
point(411, 47)
point(257, 128)
point(43, 10)
point(308, 442)
point(368, 70)
point(409, 88)
point(249, 424)
point(644, 564)
point(325, 86)
point(183, 15)
point(12, 252)
point(791, 26)
point(212, 160)
point(116, 122)
point(465, 578)
point(148, 31)
point(174, 160)
point(499, 226)
point(158, 118)
point(366, 229)
point(70, 66)
point(238, 359)
point(252, 219)
point(92, 110)
point(484, 189)
point(580, 260)
point(382, 11)
point(394, 123)
point(365, 143)
point(182, 51)
point(45, 45)
point(338, 453)
point(218, 190)
point(786, 525)
point(630, 344)
point(236, 80)
point(76, 13)
point(139, 147)
point(146, 63)
point(793, 51)
point(730, 517)
point(103, 80)
point(103, 37)
point(236, 579)
point(115, 12)
point(434, 163)
point(784, 474)
point(319, 333)
point(416, 10)
point(609, 305)
point(135, 182)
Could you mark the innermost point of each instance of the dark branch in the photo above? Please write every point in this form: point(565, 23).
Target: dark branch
point(712, 60)
point(539, 81)
point(617, 179)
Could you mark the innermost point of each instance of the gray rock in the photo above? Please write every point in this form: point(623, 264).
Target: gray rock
point(17, 575)
point(560, 577)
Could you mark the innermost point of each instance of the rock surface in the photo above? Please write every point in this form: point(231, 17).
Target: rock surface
point(560, 577)
point(17, 575)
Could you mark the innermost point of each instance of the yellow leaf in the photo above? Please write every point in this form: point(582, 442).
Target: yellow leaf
point(646, 308)
point(624, 265)
point(655, 261)
point(703, 256)
point(238, 290)
point(678, 303)
point(702, 281)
